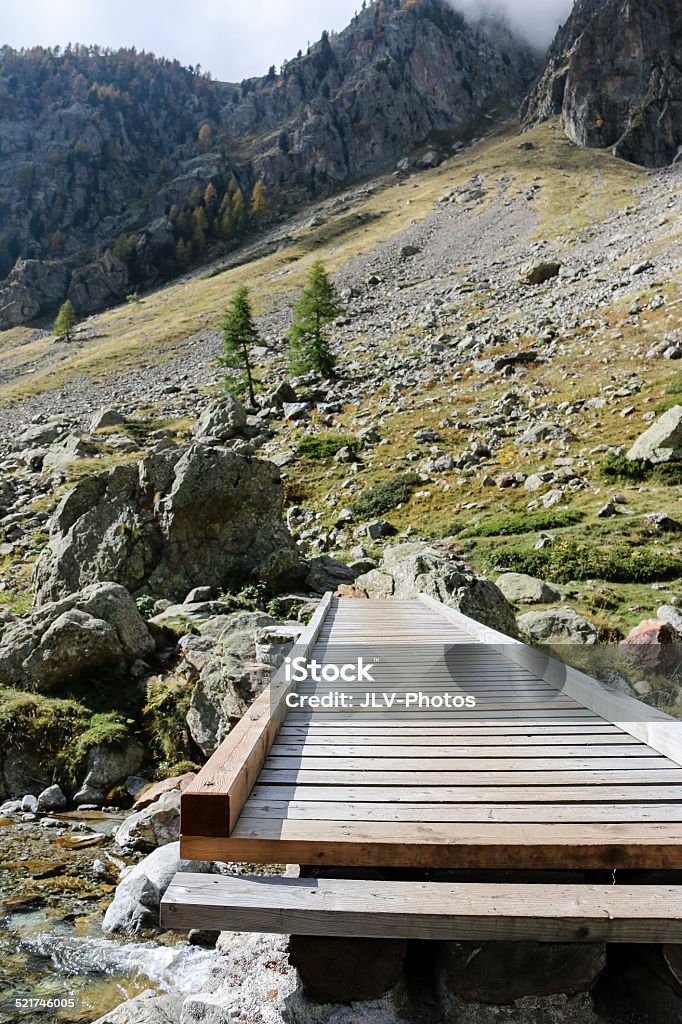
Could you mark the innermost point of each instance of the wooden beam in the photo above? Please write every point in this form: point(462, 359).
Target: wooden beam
point(660, 731)
point(211, 803)
point(425, 910)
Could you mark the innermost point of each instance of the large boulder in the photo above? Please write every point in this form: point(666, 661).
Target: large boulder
point(97, 627)
point(224, 419)
point(147, 1008)
point(69, 449)
point(154, 825)
point(653, 646)
point(138, 896)
point(107, 765)
point(520, 588)
point(182, 517)
point(558, 625)
point(409, 569)
point(662, 442)
point(98, 285)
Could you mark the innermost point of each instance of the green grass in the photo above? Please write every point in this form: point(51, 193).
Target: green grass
point(619, 467)
point(523, 522)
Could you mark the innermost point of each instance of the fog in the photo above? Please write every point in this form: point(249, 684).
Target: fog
point(535, 20)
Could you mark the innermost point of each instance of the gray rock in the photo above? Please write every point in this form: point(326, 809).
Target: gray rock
point(136, 902)
point(181, 518)
point(110, 417)
point(8, 493)
point(662, 442)
point(326, 573)
point(51, 799)
point(408, 569)
point(29, 802)
point(147, 1008)
point(32, 287)
point(98, 626)
point(273, 643)
point(155, 825)
point(519, 588)
point(108, 764)
point(66, 451)
point(672, 616)
point(224, 419)
point(99, 284)
point(295, 410)
point(558, 625)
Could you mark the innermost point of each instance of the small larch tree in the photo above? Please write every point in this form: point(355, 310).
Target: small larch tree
point(259, 202)
point(240, 334)
point(318, 305)
point(66, 320)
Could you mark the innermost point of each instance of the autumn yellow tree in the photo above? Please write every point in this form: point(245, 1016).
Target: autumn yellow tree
point(259, 203)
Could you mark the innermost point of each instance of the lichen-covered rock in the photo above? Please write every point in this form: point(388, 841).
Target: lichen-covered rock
point(519, 588)
point(182, 517)
point(96, 627)
point(108, 764)
point(614, 75)
point(223, 419)
point(409, 569)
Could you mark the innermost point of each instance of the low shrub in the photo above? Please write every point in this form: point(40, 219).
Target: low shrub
point(523, 522)
point(568, 560)
point(384, 496)
point(619, 467)
point(324, 446)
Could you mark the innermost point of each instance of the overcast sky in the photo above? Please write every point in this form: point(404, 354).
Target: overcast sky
point(233, 39)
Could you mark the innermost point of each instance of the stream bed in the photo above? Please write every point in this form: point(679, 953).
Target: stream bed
point(55, 883)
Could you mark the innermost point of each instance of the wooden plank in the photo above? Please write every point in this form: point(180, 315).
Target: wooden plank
point(212, 802)
point(537, 813)
point(654, 727)
point(373, 749)
point(473, 794)
point(611, 777)
point(466, 764)
point(425, 910)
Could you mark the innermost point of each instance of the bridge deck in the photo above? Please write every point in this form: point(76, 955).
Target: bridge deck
point(547, 771)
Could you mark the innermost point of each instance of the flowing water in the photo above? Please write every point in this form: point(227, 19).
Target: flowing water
point(52, 898)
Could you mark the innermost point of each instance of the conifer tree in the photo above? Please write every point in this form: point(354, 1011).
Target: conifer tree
point(240, 334)
point(317, 306)
point(259, 203)
point(66, 320)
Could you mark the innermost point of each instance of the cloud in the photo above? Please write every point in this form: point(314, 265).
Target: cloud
point(535, 20)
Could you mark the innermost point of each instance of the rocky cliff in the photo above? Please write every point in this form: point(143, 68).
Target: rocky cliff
point(614, 73)
point(157, 163)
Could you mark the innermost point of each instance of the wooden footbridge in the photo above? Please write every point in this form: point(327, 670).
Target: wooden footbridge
point(549, 771)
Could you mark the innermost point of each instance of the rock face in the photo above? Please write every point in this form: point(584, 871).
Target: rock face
point(182, 517)
point(97, 627)
point(662, 442)
point(90, 158)
point(409, 569)
point(613, 73)
point(31, 288)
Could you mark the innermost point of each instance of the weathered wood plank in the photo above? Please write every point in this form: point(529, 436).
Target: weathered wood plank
point(423, 910)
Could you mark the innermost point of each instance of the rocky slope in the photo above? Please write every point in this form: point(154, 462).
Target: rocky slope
point(117, 151)
point(614, 73)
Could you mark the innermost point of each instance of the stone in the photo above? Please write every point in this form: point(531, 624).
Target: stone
point(520, 588)
point(662, 442)
point(274, 643)
point(326, 573)
point(106, 417)
point(653, 646)
point(51, 799)
point(295, 410)
point(340, 970)
point(414, 567)
point(663, 522)
point(29, 803)
point(224, 419)
point(151, 791)
point(33, 287)
point(146, 1008)
point(137, 898)
point(502, 972)
point(558, 625)
point(108, 764)
point(99, 284)
point(96, 627)
point(183, 517)
point(672, 616)
point(199, 594)
point(8, 494)
point(541, 272)
point(203, 937)
point(155, 825)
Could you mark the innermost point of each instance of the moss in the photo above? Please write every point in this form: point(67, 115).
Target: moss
point(523, 522)
point(102, 729)
point(385, 496)
point(168, 702)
